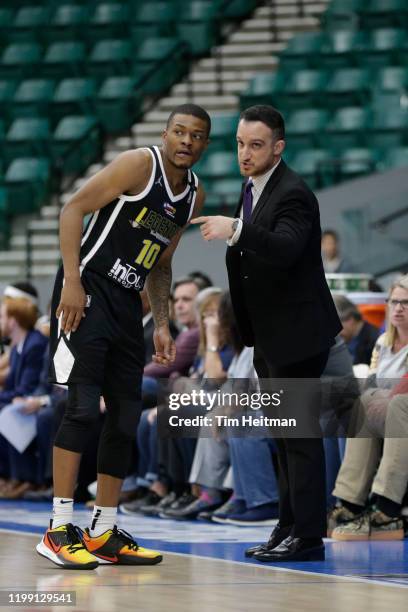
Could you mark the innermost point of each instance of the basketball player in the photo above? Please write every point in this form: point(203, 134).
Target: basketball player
point(140, 204)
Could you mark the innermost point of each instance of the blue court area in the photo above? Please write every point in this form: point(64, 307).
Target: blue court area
point(384, 562)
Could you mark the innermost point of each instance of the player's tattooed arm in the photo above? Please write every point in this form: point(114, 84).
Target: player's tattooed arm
point(158, 291)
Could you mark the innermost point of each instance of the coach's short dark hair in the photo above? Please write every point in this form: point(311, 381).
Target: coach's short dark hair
point(191, 109)
point(268, 115)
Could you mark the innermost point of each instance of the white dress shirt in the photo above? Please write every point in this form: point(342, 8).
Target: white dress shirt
point(258, 185)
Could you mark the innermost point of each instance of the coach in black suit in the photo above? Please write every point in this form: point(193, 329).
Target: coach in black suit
point(284, 309)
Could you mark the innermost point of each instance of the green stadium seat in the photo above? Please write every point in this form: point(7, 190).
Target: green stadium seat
point(6, 19)
point(27, 137)
point(201, 36)
point(341, 49)
point(237, 9)
point(64, 59)
point(263, 89)
point(159, 63)
point(342, 14)
point(347, 128)
point(28, 24)
point(27, 181)
point(73, 97)
point(117, 104)
point(357, 162)
point(20, 60)
point(4, 220)
point(392, 79)
point(384, 13)
point(222, 195)
point(314, 165)
point(348, 87)
point(75, 144)
point(109, 20)
point(304, 88)
point(109, 57)
point(218, 165)
point(389, 128)
point(32, 98)
point(152, 19)
point(303, 127)
point(68, 23)
point(200, 10)
point(303, 51)
point(390, 100)
point(395, 158)
point(383, 47)
point(223, 131)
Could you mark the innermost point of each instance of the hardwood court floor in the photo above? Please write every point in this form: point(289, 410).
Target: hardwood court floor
point(204, 571)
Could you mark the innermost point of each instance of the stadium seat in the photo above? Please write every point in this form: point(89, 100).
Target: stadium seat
point(109, 20)
point(392, 79)
point(395, 158)
point(223, 130)
point(75, 144)
point(32, 98)
point(117, 104)
point(73, 97)
point(384, 13)
point(303, 51)
point(27, 181)
point(314, 165)
point(347, 128)
point(152, 19)
point(28, 24)
point(64, 59)
point(218, 165)
point(67, 23)
point(357, 162)
point(389, 128)
point(342, 14)
point(223, 194)
point(27, 137)
point(304, 88)
point(159, 62)
point(303, 127)
point(383, 47)
point(6, 19)
point(236, 9)
point(200, 10)
point(348, 87)
point(111, 56)
point(20, 60)
point(341, 49)
point(201, 36)
point(263, 89)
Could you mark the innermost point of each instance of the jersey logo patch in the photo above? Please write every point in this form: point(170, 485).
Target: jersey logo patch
point(169, 210)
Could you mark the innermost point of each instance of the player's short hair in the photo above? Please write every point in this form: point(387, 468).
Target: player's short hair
point(268, 115)
point(191, 109)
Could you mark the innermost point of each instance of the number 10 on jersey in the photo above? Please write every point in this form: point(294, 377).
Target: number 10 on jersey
point(148, 254)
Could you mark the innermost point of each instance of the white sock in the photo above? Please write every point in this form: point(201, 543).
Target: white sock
point(62, 509)
point(103, 518)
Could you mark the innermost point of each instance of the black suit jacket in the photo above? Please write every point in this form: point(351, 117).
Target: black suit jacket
point(366, 342)
point(278, 288)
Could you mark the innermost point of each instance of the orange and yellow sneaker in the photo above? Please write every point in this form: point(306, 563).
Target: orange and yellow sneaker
point(116, 546)
point(63, 546)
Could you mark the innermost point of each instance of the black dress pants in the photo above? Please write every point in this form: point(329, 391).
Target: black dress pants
point(302, 473)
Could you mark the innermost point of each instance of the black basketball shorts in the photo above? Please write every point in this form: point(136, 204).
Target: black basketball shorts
point(107, 349)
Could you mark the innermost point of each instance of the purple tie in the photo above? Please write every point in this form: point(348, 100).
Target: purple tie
point(247, 201)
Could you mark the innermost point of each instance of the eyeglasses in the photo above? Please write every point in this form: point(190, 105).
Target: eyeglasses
point(394, 303)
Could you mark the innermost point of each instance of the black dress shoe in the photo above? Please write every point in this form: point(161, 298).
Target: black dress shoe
point(294, 549)
point(277, 536)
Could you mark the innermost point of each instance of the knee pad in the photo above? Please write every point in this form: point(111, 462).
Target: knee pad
point(82, 410)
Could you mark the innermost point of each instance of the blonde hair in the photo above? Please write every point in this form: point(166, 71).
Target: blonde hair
point(390, 329)
point(23, 311)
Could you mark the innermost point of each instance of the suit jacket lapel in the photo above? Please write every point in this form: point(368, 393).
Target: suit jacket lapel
point(273, 181)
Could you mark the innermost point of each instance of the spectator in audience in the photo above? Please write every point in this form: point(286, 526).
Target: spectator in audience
point(383, 410)
point(18, 316)
point(359, 335)
point(202, 280)
point(333, 261)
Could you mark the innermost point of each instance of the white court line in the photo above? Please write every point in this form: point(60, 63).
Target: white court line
point(262, 567)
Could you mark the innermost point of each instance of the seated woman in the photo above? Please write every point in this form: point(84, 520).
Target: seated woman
point(372, 464)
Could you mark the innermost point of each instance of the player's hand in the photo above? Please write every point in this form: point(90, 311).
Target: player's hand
point(164, 345)
point(215, 228)
point(72, 304)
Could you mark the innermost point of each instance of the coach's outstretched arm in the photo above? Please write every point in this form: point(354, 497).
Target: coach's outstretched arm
point(129, 172)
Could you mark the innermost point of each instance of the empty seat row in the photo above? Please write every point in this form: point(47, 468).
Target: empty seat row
point(366, 13)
